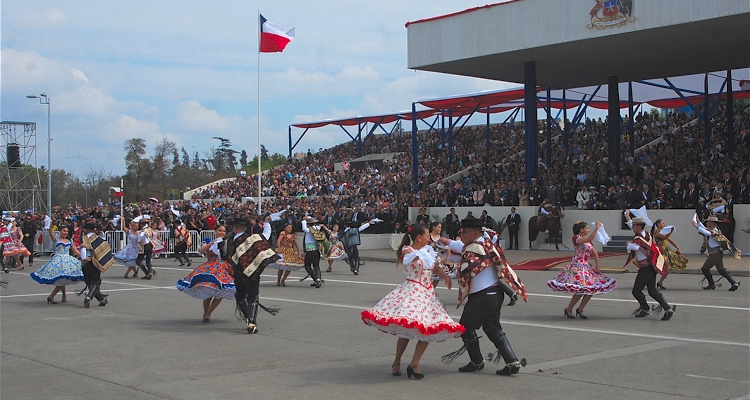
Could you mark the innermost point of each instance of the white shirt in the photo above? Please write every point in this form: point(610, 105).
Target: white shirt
point(640, 253)
point(705, 232)
point(488, 277)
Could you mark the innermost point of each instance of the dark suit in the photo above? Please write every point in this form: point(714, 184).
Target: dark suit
point(677, 198)
point(691, 198)
point(513, 229)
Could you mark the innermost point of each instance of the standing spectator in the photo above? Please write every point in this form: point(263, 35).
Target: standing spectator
point(514, 225)
point(452, 224)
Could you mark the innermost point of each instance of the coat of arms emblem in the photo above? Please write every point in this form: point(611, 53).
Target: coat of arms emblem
point(609, 13)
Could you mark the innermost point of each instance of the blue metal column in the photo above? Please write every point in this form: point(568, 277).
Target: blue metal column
point(530, 124)
point(613, 128)
point(549, 129)
point(566, 126)
point(706, 106)
point(414, 153)
point(487, 139)
point(450, 136)
point(290, 141)
point(730, 115)
point(631, 125)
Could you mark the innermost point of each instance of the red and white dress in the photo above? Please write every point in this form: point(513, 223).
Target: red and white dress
point(414, 310)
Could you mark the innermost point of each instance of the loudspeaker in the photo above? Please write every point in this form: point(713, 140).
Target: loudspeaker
point(13, 156)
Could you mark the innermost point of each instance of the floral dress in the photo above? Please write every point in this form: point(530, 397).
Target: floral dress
point(210, 279)
point(61, 270)
point(337, 251)
point(675, 261)
point(414, 310)
point(290, 258)
point(127, 255)
point(579, 277)
point(15, 247)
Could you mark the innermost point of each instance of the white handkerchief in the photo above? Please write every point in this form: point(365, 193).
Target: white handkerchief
point(666, 230)
point(641, 213)
point(377, 220)
point(601, 234)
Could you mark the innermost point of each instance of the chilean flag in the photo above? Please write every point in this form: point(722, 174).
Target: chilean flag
point(118, 192)
point(273, 39)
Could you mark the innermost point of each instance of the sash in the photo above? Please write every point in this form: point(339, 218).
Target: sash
point(101, 252)
point(253, 255)
point(478, 256)
point(184, 235)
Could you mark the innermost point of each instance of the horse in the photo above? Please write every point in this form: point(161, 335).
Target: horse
point(536, 224)
point(553, 225)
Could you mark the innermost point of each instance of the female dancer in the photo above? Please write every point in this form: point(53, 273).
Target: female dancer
point(673, 259)
point(15, 247)
point(62, 269)
point(292, 258)
point(211, 281)
point(436, 228)
point(413, 310)
point(128, 254)
point(145, 250)
point(337, 251)
point(153, 236)
point(579, 277)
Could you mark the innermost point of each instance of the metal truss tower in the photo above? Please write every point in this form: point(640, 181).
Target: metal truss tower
point(20, 186)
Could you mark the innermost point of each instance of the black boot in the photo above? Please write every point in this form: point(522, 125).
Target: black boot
point(710, 279)
point(512, 365)
point(252, 327)
point(93, 292)
point(728, 276)
point(356, 266)
point(471, 342)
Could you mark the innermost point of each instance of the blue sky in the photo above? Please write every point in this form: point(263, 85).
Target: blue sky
point(187, 71)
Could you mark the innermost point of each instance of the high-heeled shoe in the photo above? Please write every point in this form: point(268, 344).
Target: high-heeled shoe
point(410, 372)
point(660, 286)
point(580, 314)
point(569, 314)
point(394, 372)
point(51, 300)
point(206, 317)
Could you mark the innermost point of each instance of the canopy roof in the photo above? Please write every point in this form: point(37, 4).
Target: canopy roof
point(654, 92)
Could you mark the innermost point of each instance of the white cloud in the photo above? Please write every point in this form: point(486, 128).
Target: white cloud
point(55, 17)
point(194, 116)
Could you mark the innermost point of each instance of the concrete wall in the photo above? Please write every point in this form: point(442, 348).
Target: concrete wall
point(685, 236)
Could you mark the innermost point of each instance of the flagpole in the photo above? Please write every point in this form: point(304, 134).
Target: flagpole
point(260, 199)
point(122, 214)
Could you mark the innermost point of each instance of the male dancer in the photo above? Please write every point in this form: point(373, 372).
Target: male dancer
point(259, 254)
point(91, 275)
point(182, 242)
point(716, 244)
point(481, 268)
point(352, 250)
point(312, 251)
point(649, 258)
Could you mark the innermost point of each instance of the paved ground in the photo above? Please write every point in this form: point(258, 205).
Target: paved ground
point(150, 343)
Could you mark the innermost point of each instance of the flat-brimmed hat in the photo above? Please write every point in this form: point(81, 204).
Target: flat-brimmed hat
point(89, 225)
point(310, 219)
point(712, 218)
point(638, 220)
point(471, 223)
point(238, 222)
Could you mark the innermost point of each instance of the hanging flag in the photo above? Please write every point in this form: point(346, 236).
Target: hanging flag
point(273, 39)
point(118, 192)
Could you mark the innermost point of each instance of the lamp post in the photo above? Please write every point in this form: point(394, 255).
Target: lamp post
point(44, 99)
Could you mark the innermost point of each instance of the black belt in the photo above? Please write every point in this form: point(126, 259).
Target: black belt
point(715, 250)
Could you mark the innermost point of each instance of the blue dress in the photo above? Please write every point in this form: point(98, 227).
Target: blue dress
point(128, 254)
point(63, 269)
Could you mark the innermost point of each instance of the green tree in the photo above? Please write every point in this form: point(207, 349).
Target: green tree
point(243, 159)
point(137, 167)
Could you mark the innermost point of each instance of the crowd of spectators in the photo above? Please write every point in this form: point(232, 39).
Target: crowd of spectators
point(675, 172)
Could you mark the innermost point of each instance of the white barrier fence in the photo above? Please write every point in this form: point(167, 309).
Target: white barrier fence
point(117, 239)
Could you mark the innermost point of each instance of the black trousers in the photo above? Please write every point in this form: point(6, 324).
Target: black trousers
point(716, 259)
point(148, 252)
point(513, 236)
point(312, 264)
point(93, 279)
point(482, 309)
point(30, 247)
point(646, 278)
point(353, 257)
point(247, 295)
point(180, 252)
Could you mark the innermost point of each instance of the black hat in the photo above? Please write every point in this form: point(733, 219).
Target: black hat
point(89, 225)
point(238, 222)
point(471, 223)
